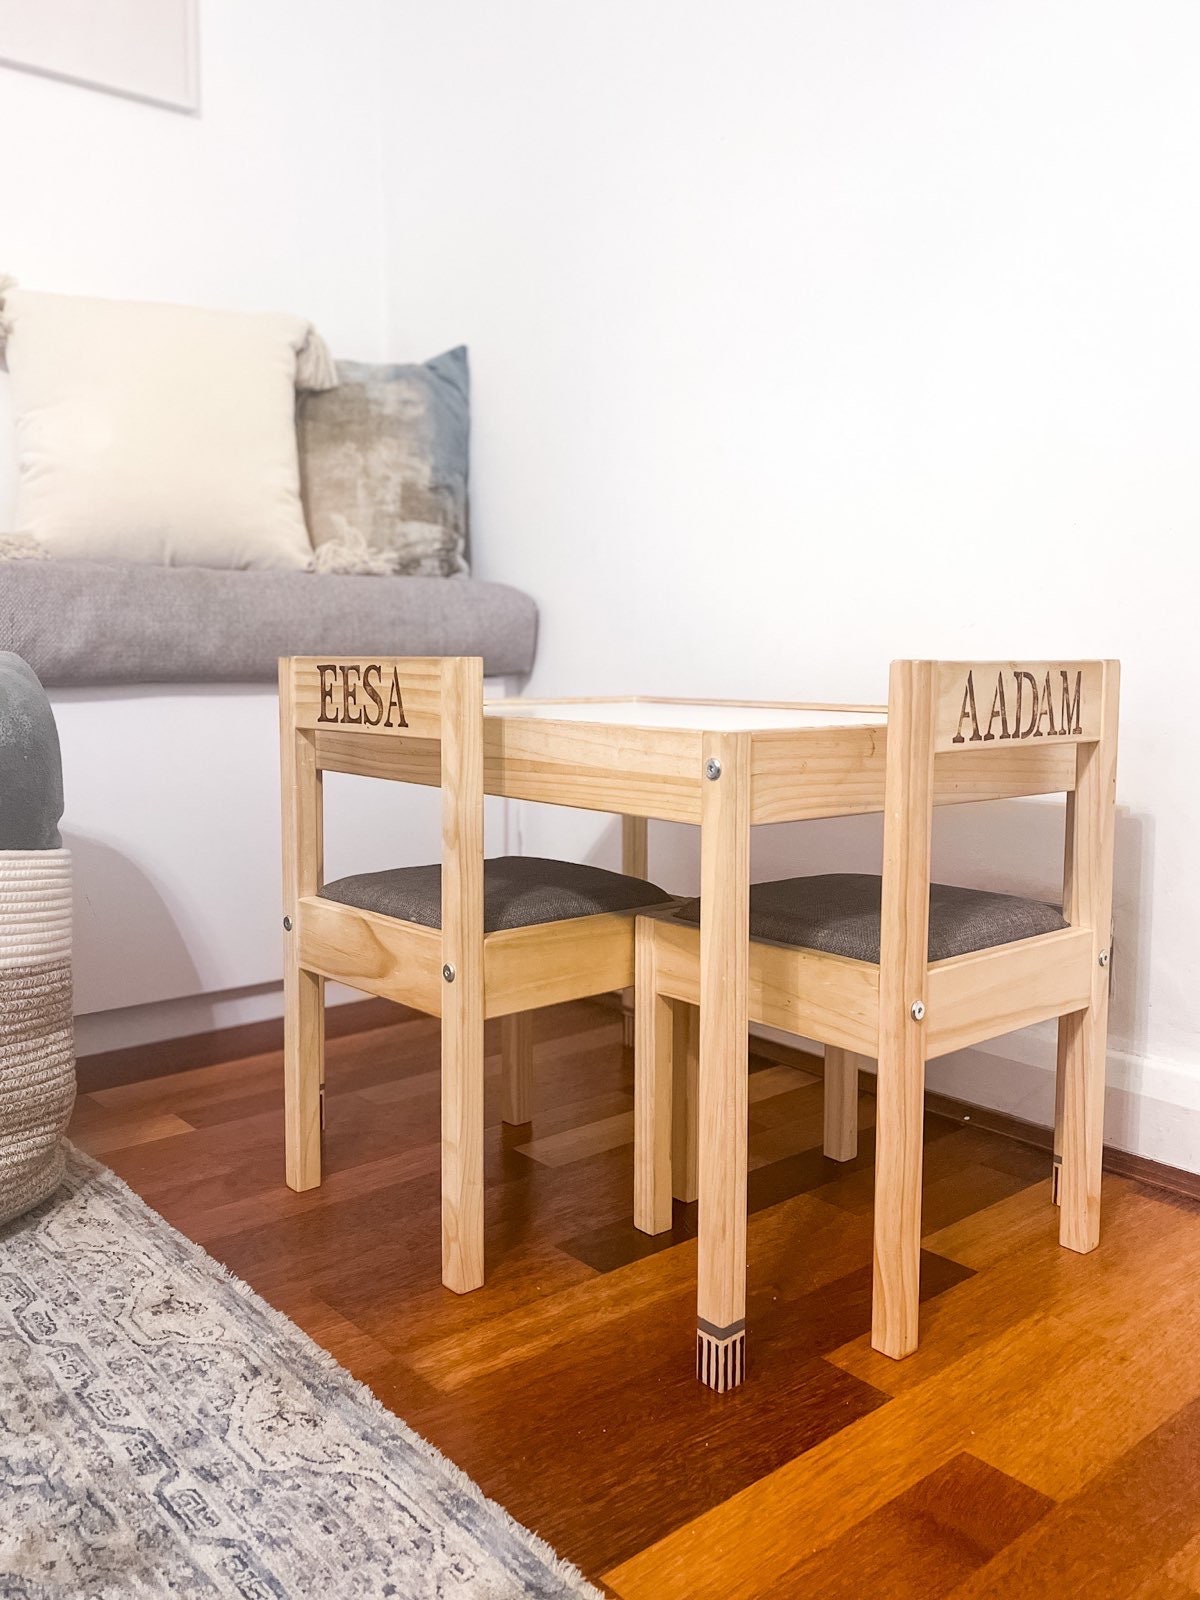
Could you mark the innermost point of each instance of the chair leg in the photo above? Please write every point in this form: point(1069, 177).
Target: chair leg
point(899, 1150)
point(1084, 1037)
point(654, 1040)
point(685, 1104)
point(303, 1074)
point(903, 970)
point(516, 1067)
point(462, 1139)
point(1060, 1088)
point(841, 1104)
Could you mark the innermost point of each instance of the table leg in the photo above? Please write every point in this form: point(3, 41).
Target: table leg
point(685, 1101)
point(841, 1104)
point(652, 1098)
point(723, 1130)
point(1060, 1090)
point(635, 855)
point(516, 1067)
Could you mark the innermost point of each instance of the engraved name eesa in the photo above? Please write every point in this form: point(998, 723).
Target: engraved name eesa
point(361, 696)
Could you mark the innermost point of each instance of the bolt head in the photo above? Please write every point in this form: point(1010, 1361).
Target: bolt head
point(287, 924)
point(1103, 958)
point(448, 973)
point(917, 1010)
point(712, 769)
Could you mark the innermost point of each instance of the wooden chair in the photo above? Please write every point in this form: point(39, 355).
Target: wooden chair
point(904, 970)
point(465, 940)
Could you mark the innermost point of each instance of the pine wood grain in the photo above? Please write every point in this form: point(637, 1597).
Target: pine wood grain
point(1082, 1034)
point(303, 989)
point(903, 963)
point(722, 1108)
point(516, 1048)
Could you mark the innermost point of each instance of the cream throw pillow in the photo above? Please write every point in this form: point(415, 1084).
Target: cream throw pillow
point(159, 433)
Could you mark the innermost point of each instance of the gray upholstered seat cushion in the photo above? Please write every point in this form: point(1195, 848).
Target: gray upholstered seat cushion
point(517, 892)
point(31, 783)
point(84, 622)
point(839, 912)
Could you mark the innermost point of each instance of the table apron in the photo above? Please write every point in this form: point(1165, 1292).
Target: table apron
point(642, 772)
point(840, 772)
point(629, 771)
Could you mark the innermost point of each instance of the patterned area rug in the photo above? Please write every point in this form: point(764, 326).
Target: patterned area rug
point(163, 1431)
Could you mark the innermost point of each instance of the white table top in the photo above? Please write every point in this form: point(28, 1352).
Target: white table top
point(718, 717)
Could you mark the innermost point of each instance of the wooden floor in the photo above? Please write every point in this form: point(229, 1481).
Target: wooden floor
point(1045, 1439)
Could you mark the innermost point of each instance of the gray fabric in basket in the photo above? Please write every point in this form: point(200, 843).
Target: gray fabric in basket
point(839, 913)
point(31, 784)
point(518, 891)
point(84, 622)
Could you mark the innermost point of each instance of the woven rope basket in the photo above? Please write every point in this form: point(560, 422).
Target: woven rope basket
point(37, 1044)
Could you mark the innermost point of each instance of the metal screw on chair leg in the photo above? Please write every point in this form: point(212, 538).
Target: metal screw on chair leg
point(712, 769)
point(917, 1010)
point(448, 973)
point(1103, 958)
point(287, 924)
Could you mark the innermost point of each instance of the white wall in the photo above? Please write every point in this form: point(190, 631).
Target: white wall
point(172, 821)
point(809, 335)
point(270, 199)
point(803, 335)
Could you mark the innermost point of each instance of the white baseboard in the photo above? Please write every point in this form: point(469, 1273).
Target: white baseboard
point(127, 1026)
point(1152, 1108)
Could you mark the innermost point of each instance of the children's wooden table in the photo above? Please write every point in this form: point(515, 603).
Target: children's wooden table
point(724, 766)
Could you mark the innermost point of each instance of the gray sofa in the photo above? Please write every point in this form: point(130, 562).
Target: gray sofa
point(80, 623)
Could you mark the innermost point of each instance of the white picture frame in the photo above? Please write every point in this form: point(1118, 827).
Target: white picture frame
point(145, 50)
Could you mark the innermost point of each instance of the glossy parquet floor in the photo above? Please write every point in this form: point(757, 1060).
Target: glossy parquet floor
point(1045, 1439)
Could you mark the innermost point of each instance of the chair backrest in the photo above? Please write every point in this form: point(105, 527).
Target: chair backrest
point(431, 701)
point(937, 708)
point(1007, 702)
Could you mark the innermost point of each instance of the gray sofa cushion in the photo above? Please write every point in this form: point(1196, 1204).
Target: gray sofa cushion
point(517, 892)
point(839, 913)
point(31, 785)
point(83, 622)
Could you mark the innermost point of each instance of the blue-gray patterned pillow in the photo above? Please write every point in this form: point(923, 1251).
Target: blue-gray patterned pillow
point(383, 467)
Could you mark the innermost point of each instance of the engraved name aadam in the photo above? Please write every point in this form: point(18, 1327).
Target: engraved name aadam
point(1021, 707)
point(361, 696)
